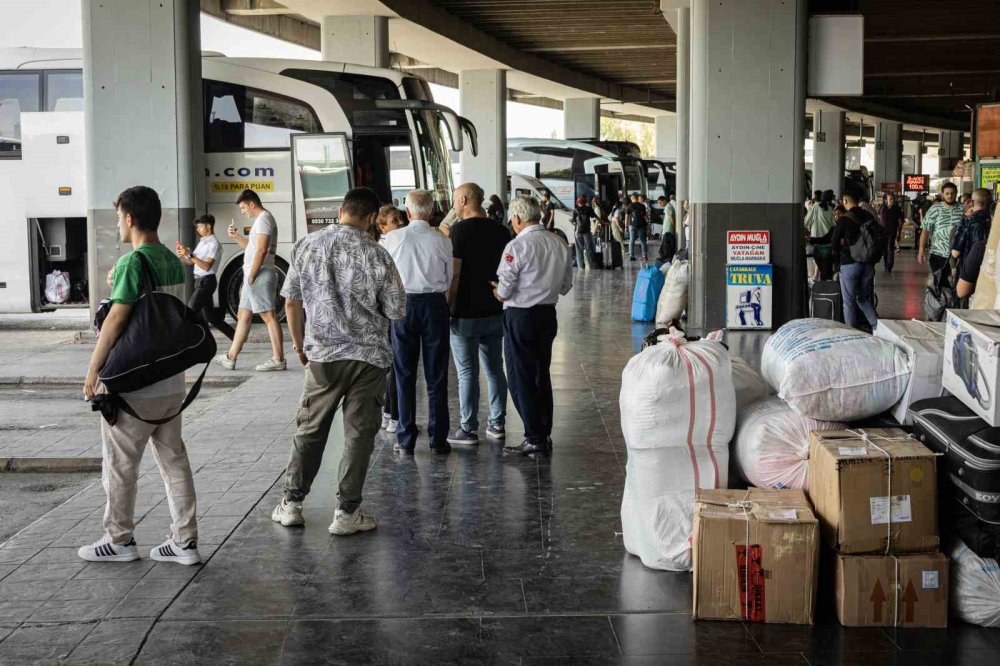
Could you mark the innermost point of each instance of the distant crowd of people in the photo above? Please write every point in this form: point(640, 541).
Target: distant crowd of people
point(364, 300)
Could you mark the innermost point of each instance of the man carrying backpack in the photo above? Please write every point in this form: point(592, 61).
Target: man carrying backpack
point(637, 223)
point(860, 241)
point(973, 228)
point(139, 212)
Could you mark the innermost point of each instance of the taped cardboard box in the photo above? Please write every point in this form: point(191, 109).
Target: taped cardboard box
point(756, 556)
point(923, 344)
point(874, 490)
point(892, 590)
point(971, 368)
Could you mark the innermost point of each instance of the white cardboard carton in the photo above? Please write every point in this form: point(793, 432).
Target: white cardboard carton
point(923, 343)
point(970, 368)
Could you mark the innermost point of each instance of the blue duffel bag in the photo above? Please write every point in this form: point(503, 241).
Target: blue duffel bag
point(646, 294)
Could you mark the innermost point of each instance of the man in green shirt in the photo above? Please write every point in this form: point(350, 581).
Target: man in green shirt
point(939, 222)
point(139, 213)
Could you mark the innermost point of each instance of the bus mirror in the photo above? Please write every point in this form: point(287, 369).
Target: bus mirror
point(450, 118)
point(473, 135)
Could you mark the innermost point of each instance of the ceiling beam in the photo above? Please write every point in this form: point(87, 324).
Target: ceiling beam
point(931, 73)
point(890, 112)
point(255, 8)
point(287, 28)
point(601, 47)
point(918, 37)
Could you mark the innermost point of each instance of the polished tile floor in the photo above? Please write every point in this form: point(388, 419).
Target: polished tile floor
point(477, 558)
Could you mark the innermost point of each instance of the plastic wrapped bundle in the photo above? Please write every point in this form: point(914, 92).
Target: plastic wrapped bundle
point(750, 386)
point(674, 295)
point(975, 587)
point(772, 444)
point(831, 372)
point(678, 414)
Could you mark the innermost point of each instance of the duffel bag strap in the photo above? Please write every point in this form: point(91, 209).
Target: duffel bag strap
point(192, 394)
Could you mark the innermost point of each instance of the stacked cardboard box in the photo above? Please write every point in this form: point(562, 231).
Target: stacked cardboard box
point(875, 493)
point(756, 556)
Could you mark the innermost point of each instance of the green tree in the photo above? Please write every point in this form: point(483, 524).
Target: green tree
point(642, 134)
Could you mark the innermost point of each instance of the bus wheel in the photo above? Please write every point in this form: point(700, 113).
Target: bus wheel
point(232, 285)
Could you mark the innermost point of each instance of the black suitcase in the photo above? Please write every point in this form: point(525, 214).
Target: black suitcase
point(612, 249)
point(826, 301)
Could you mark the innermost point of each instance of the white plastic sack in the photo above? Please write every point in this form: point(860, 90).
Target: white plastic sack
point(57, 287)
point(975, 587)
point(831, 372)
point(772, 444)
point(678, 414)
point(674, 295)
point(750, 386)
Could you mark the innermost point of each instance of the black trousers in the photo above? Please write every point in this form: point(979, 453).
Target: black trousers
point(201, 302)
point(527, 346)
point(939, 266)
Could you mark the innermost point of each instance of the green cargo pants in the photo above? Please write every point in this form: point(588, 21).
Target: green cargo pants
point(359, 387)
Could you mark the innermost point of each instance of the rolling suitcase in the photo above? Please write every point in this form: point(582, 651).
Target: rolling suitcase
point(968, 472)
point(612, 249)
point(826, 301)
point(647, 292)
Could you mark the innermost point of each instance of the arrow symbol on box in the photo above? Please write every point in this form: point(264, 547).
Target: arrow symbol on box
point(909, 599)
point(877, 598)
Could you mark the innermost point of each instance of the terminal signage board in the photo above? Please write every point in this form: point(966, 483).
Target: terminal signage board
point(748, 296)
point(891, 187)
point(748, 247)
point(916, 183)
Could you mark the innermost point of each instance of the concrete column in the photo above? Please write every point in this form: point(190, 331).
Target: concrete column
point(951, 149)
point(666, 137)
point(143, 110)
point(582, 118)
point(483, 100)
point(360, 40)
point(683, 105)
point(888, 153)
point(828, 151)
point(748, 74)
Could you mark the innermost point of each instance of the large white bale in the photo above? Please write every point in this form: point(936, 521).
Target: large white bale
point(831, 372)
point(674, 295)
point(975, 587)
point(750, 386)
point(678, 414)
point(772, 444)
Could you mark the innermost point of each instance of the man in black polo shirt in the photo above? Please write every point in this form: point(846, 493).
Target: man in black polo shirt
point(638, 223)
point(477, 317)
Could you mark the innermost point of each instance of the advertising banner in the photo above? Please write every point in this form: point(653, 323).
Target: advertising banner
point(748, 296)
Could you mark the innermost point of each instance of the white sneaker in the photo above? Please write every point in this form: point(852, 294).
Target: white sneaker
point(386, 418)
point(224, 360)
point(270, 365)
point(288, 514)
point(392, 426)
point(348, 523)
point(171, 551)
point(103, 550)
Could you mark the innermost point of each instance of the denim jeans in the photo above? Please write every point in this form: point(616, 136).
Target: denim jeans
point(857, 287)
point(636, 234)
point(585, 245)
point(475, 341)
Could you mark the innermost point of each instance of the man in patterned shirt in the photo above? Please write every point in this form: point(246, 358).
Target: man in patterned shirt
point(341, 292)
point(938, 224)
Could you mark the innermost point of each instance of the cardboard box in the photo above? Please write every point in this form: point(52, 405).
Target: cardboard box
point(923, 344)
point(861, 508)
point(970, 369)
point(762, 540)
point(892, 591)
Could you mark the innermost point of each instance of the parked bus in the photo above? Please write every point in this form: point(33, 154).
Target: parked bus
point(299, 133)
point(567, 168)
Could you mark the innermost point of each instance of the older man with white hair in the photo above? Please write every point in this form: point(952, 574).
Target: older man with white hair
point(535, 270)
point(423, 257)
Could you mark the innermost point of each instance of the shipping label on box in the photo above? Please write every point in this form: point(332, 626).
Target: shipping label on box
point(892, 591)
point(873, 489)
point(923, 344)
point(755, 555)
point(970, 368)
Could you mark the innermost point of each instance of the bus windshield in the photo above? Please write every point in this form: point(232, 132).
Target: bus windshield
point(634, 178)
point(436, 160)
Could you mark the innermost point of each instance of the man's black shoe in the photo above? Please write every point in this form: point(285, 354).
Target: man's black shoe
point(441, 449)
point(406, 451)
point(529, 448)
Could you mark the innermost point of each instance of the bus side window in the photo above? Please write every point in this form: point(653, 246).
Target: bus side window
point(19, 92)
point(239, 118)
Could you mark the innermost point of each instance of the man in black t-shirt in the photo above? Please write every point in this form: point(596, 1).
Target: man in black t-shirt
point(477, 317)
point(548, 213)
point(968, 269)
point(638, 223)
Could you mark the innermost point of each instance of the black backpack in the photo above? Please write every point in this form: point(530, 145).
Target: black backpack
point(163, 337)
point(870, 244)
point(639, 221)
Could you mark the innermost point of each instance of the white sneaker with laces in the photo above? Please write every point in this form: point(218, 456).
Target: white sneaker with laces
point(270, 365)
point(103, 550)
point(171, 551)
point(392, 426)
point(224, 360)
point(288, 514)
point(348, 523)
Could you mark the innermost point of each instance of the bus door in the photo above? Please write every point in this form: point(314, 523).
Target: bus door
point(322, 174)
point(585, 185)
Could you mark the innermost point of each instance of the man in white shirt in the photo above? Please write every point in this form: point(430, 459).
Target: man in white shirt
point(423, 257)
point(205, 258)
point(535, 270)
point(260, 283)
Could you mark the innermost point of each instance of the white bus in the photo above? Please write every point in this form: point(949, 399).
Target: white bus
point(568, 168)
point(299, 133)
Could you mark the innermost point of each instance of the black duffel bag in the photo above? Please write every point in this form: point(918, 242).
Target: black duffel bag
point(163, 337)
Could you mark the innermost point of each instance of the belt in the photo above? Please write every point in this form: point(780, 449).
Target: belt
point(427, 295)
